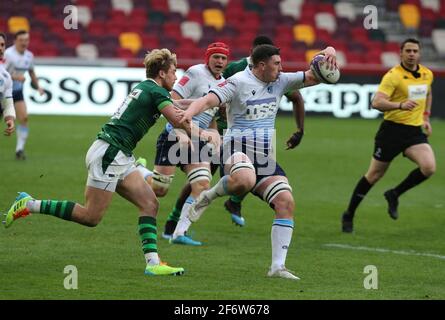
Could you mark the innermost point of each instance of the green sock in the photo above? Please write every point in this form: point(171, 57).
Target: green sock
point(59, 209)
point(237, 199)
point(148, 234)
point(174, 215)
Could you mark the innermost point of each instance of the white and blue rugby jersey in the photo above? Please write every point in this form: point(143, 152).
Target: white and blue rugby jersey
point(18, 63)
point(253, 104)
point(5, 84)
point(194, 84)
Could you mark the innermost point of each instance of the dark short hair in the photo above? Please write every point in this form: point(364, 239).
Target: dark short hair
point(3, 35)
point(259, 40)
point(264, 52)
point(19, 33)
point(409, 40)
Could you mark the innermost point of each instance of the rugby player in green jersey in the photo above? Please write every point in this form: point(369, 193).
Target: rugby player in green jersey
point(111, 164)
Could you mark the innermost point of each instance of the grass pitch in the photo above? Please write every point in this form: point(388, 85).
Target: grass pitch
point(409, 253)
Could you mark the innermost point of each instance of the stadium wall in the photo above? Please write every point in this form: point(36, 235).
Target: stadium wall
point(93, 90)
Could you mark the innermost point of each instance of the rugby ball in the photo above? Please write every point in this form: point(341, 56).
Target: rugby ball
point(322, 72)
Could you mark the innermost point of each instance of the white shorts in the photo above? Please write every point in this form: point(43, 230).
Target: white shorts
point(107, 165)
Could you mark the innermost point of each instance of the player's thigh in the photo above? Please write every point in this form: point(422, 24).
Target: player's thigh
point(234, 165)
point(276, 191)
point(267, 183)
point(423, 155)
point(134, 189)
point(21, 111)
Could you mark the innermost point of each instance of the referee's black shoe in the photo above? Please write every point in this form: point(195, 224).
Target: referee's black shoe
point(393, 202)
point(347, 225)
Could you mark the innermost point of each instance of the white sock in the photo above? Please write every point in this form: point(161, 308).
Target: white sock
point(22, 135)
point(144, 171)
point(184, 222)
point(219, 189)
point(34, 205)
point(152, 258)
point(281, 237)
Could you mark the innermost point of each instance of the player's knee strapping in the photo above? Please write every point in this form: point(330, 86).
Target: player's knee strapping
point(241, 165)
point(199, 174)
point(274, 189)
point(162, 180)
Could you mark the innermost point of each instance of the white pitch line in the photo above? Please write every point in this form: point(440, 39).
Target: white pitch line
point(407, 253)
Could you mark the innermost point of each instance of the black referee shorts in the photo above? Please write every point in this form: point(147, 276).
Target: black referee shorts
point(394, 138)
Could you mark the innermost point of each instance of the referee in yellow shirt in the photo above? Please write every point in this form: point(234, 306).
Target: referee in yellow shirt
point(404, 96)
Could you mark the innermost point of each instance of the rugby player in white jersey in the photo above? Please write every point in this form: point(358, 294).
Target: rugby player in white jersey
point(20, 60)
point(249, 166)
point(7, 104)
point(194, 84)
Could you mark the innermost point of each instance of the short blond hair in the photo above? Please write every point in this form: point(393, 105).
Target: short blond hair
point(157, 60)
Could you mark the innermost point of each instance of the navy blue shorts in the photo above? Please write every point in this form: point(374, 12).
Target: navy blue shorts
point(168, 152)
point(17, 95)
point(265, 166)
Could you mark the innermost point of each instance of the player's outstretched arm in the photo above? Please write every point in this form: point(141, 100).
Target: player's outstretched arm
point(196, 107)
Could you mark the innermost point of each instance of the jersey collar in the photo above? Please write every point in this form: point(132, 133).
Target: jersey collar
point(415, 73)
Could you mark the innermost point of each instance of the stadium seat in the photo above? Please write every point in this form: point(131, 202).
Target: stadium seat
point(214, 18)
point(341, 58)
point(223, 2)
point(438, 37)
point(131, 41)
point(291, 8)
point(409, 15)
point(431, 4)
point(125, 53)
point(345, 10)
point(17, 23)
point(310, 54)
point(123, 5)
point(390, 59)
point(305, 33)
point(191, 30)
point(87, 51)
point(325, 20)
point(181, 6)
point(84, 15)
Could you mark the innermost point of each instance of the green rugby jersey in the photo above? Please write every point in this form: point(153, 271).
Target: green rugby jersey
point(235, 67)
point(138, 113)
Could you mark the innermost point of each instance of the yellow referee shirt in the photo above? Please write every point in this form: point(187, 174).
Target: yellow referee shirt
point(400, 85)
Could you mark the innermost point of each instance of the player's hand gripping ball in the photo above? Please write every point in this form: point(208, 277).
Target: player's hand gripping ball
point(323, 72)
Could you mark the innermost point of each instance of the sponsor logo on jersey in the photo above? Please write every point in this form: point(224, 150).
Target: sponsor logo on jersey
point(183, 81)
point(222, 84)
